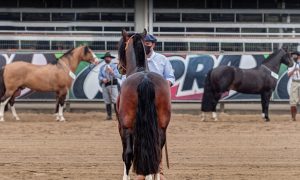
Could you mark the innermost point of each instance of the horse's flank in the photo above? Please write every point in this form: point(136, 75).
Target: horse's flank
point(35, 77)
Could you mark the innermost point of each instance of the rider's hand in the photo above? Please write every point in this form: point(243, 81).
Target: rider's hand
point(109, 69)
point(104, 80)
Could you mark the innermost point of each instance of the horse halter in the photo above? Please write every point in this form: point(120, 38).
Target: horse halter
point(129, 40)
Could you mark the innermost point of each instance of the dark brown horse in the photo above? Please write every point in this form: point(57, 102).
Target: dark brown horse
point(56, 78)
point(144, 109)
point(261, 80)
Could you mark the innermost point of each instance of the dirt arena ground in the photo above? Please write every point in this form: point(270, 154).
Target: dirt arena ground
point(88, 147)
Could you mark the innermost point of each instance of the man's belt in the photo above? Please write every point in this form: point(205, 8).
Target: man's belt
point(113, 82)
point(296, 80)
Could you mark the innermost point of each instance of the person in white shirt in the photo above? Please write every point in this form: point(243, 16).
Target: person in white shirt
point(157, 62)
point(294, 73)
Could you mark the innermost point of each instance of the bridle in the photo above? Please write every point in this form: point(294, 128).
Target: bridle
point(121, 67)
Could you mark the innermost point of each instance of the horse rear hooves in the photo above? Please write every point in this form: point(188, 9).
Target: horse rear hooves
point(267, 120)
point(125, 177)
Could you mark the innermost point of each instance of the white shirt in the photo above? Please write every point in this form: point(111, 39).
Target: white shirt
point(159, 64)
point(296, 74)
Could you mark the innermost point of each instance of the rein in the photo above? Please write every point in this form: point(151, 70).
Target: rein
point(128, 40)
point(273, 74)
point(126, 47)
point(71, 73)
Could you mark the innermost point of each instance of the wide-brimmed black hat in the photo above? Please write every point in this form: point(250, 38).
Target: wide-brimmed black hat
point(107, 54)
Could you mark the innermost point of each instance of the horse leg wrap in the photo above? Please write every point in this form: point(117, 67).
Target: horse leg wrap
point(2, 106)
point(148, 177)
point(157, 176)
point(60, 113)
point(13, 110)
point(214, 116)
point(125, 175)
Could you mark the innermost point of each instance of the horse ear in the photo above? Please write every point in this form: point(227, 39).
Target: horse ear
point(86, 50)
point(144, 33)
point(124, 33)
point(285, 48)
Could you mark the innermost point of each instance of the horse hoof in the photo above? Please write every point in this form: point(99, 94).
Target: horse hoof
point(62, 120)
point(17, 118)
point(203, 119)
point(216, 119)
point(267, 120)
point(2, 119)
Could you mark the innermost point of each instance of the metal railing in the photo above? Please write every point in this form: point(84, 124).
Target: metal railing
point(168, 41)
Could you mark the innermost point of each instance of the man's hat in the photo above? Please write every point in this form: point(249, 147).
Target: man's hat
point(107, 54)
point(150, 38)
point(295, 52)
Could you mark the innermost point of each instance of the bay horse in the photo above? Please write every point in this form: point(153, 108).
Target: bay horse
point(144, 110)
point(261, 80)
point(45, 78)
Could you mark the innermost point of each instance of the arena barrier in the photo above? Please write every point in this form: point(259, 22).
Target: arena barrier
point(190, 71)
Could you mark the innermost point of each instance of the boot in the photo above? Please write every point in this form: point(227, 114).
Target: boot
point(293, 112)
point(108, 111)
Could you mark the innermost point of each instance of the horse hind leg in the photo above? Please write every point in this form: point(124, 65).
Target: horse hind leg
point(61, 108)
point(127, 152)
point(12, 104)
point(265, 99)
point(56, 109)
point(214, 111)
point(13, 109)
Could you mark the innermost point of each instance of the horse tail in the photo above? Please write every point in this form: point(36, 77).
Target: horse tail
point(2, 84)
point(208, 98)
point(147, 151)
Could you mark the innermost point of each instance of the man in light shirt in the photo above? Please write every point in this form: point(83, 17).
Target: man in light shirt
point(294, 73)
point(108, 75)
point(157, 62)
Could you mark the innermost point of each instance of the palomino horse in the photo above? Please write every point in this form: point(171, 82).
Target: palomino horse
point(261, 80)
point(144, 109)
point(55, 78)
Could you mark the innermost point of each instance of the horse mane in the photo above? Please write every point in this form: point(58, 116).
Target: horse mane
point(139, 51)
point(273, 55)
point(121, 51)
point(68, 53)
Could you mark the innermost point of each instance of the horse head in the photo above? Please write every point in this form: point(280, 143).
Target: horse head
point(131, 43)
point(87, 55)
point(286, 57)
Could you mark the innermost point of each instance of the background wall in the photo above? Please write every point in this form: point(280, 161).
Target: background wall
point(189, 69)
